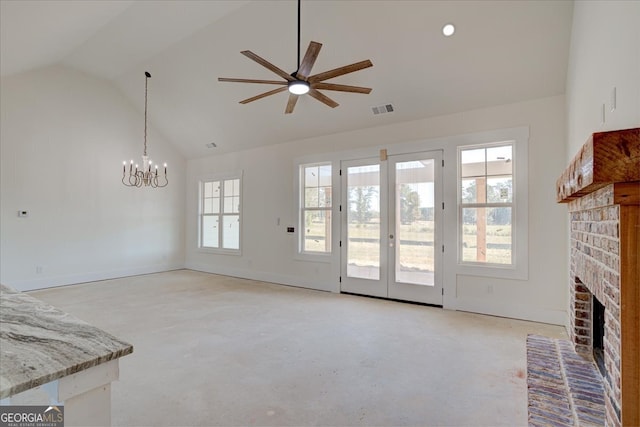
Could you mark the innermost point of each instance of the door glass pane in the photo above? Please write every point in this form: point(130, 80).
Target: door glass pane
point(363, 222)
point(415, 222)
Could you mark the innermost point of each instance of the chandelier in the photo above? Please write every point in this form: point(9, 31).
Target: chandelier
point(146, 176)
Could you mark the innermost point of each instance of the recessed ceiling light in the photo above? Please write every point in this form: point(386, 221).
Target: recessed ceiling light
point(448, 30)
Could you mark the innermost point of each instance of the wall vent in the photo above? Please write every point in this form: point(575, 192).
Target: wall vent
point(382, 109)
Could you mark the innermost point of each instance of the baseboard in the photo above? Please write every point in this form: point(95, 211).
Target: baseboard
point(73, 279)
point(281, 279)
point(512, 311)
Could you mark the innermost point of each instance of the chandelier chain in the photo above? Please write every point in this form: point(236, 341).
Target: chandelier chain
point(146, 90)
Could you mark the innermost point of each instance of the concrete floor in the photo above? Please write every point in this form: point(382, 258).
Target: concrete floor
point(213, 350)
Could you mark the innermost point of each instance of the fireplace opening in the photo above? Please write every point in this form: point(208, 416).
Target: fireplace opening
point(597, 320)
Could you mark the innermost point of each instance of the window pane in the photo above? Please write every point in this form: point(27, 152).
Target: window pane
point(325, 176)
point(210, 200)
point(499, 239)
point(499, 190)
point(499, 160)
point(208, 189)
point(210, 231)
point(469, 236)
point(468, 192)
point(317, 231)
point(311, 197)
point(231, 187)
point(231, 232)
point(231, 204)
point(486, 235)
point(236, 187)
point(215, 205)
point(472, 162)
point(311, 176)
point(324, 197)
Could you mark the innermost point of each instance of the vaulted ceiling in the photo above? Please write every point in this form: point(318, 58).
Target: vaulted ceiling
point(502, 52)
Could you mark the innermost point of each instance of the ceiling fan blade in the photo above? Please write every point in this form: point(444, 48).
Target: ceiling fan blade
point(342, 88)
point(340, 71)
point(262, 95)
point(291, 104)
point(323, 98)
point(309, 59)
point(268, 65)
point(268, 82)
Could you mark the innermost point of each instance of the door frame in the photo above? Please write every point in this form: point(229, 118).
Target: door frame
point(387, 286)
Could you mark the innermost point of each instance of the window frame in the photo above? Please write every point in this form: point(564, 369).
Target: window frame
point(222, 178)
point(486, 205)
point(302, 210)
point(519, 269)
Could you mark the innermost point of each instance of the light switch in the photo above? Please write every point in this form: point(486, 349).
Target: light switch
point(613, 99)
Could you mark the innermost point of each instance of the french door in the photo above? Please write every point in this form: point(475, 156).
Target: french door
point(391, 227)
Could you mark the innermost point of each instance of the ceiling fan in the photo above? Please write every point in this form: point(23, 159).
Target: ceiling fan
point(300, 81)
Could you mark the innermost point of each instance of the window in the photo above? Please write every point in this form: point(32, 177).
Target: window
point(220, 214)
point(315, 208)
point(486, 204)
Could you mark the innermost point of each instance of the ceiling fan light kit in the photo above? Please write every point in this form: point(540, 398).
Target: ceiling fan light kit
point(301, 82)
point(298, 87)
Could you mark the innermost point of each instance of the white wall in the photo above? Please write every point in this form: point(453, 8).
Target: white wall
point(63, 138)
point(604, 53)
point(269, 176)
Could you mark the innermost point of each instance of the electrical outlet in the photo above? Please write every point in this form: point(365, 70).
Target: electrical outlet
point(39, 269)
point(603, 117)
point(490, 289)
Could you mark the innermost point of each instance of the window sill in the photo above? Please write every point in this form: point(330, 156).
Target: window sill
point(493, 270)
point(215, 251)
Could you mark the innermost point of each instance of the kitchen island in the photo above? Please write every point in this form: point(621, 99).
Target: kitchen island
point(49, 357)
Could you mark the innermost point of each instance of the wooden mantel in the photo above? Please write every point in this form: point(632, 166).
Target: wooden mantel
point(606, 158)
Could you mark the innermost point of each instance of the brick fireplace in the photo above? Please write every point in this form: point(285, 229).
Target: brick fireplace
point(602, 189)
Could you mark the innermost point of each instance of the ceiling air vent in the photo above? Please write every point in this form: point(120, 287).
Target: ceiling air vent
point(382, 109)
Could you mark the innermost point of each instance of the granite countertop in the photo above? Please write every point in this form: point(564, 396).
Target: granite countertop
point(40, 343)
